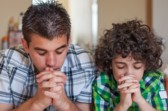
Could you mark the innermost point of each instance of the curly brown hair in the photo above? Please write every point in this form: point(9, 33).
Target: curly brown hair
point(131, 37)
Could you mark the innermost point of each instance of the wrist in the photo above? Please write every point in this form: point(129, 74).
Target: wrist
point(140, 101)
point(30, 105)
point(123, 107)
point(36, 105)
point(67, 106)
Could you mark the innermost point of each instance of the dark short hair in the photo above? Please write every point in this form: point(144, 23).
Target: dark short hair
point(131, 37)
point(47, 19)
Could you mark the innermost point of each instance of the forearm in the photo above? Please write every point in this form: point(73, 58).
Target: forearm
point(30, 105)
point(120, 107)
point(69, 106)
point(145, 106)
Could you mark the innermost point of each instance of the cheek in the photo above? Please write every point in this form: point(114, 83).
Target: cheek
point(38, 61)
point(140, 75)
point(59, 60)
point(117, 73)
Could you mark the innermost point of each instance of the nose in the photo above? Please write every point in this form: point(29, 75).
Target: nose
point(129, 71)
point(50, 60)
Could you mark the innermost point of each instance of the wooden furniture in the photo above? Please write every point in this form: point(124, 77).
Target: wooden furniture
point(166, 84)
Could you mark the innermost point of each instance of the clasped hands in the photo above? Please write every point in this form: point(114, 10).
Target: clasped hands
point(129, 88)
point(51, 89)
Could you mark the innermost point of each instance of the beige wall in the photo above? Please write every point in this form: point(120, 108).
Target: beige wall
point(65, 3)
point(80, 14)
point(9, 8)
point(112, 11)
point(160, 24)
point(109, 11)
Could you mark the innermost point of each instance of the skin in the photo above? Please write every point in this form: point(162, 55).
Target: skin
point(48, 56)
point(45, 53)
point(128, 72)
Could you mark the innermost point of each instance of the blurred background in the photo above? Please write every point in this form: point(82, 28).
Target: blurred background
point(89, 19)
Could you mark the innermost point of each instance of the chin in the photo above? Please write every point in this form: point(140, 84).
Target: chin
point(52, 68)
point(56, 69)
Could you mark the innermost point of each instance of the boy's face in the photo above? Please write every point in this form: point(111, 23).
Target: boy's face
point(47, 53)
point(126, 66)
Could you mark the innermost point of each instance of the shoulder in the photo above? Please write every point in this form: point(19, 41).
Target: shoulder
point(154, 75)
point(15, 56)
point(76, 49)
point(78, 57)
point(13, 52)
point(153, 80)
point(102, 79)
point(104, 83)
point(79, 52)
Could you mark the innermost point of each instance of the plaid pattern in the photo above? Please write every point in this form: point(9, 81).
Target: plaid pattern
point(18, 83)
point(106, 95)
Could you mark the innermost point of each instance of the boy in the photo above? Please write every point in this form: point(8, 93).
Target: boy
point(46, 73)
point(128, 56)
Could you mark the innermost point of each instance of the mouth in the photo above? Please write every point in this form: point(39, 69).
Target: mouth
point(51, 68)
point(57, 69)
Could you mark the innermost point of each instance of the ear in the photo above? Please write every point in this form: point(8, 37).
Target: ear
point(110, 66)
point(69, 41)
point(25, 45)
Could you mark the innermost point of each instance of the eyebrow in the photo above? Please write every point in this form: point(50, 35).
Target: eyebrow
point(138, 63)
point(40, 49)
point(119, 62)
point(124, 63)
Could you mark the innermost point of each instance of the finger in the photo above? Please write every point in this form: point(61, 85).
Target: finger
point(53, 95)
point(47, 84)
point(128, 77)
point(51, 76)
point(45, 77)
point(50, 94)
point(124, 91)
point(47, 69)
point(131, 81)
point(59, 74)
point(125, 85)
point(57, 89)
point(51, 69)
point(120, 82)
point(137, 85)
point(50, 84)
point(125, 88)
point(57, 79)
point(133, 89)
point(42, 73)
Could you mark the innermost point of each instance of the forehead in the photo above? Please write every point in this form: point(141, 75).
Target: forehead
point(39, 41)
point(129, 58)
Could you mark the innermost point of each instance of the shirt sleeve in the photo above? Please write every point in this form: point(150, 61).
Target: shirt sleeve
point(85, 95)
point(80, 70)
point(101, 98)
point(159, 102)
point(5, 90)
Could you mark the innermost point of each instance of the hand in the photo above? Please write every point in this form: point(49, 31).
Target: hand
point(55, 86)
point(60, 100)
point(42, 100)
point(125, 98)
point(132, 87)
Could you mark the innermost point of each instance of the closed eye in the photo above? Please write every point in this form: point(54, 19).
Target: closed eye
point(59, 52)
point(138, 65)
point(42, 53)
point(120, 67)
point(61, 49)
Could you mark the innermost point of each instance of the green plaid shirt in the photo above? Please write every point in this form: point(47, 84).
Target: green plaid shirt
point(106, 95)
